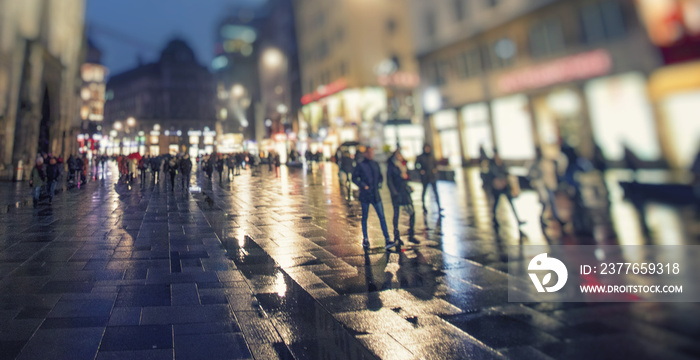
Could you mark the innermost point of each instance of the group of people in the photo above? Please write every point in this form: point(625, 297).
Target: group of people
point(232, 163)
point(47, 172)
point(367, 175)
point(172, 165)
point(547, 176)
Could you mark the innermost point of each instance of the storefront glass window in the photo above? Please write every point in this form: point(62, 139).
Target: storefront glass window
point(513, 129)
point(476, 130)
point(684, 128)
point(621, 116)
point(446, 124)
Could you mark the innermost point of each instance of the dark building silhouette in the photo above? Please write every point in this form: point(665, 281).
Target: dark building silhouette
point(174, 94)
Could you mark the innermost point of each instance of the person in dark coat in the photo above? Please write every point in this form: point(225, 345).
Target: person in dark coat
point(427, 165)
point(186, 170)
point(143, 165)
point(53, 171)
point(397, 180)
point(220, 168)
point(695, 182)
point(238, 163)
point(37, 179)
point(155, 167)
point(172, 170)
point(74, 168)
point(278, 161)
point(368, 177)
point(347, 165)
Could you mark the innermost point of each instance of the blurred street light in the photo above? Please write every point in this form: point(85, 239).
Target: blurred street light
point(117, 125)
point(432, 100)
point(131, 121)
point(282, 109)
point(237, 90)
point(272, 58)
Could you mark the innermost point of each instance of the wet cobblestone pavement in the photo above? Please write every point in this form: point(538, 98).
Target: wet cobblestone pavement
point(272, 267)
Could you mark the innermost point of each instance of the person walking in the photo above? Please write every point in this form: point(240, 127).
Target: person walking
point(186, 170)
point(172, 171)
point(71, 169)
point(427, 165)
point(543, 179)
point(695, 182)
point(277, 160)
point(500, 186)
point(37, 179)
point(85, 163)
point(143, 165)
point(347, 166)
point(220, 168)
point(368, 177)
point(397, 180)
point(155, 168)
point(231, 165)
point(103, 161)
point(53, 172)
point(209, 166)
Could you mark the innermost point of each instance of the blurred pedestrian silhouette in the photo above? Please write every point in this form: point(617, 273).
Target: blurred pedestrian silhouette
point(186, 170)
point(397, 180)
point(500, 186)
point(37, 179)
point(695, 170)
point(53, 172)
point(427, 165)
point(542, 175)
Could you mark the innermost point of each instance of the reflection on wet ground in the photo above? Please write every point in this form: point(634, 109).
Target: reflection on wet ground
point(446, 298)
point(271, 266)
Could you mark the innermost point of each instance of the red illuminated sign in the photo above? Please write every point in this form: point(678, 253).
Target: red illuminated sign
point(400, 79)
point(324, 91)
point(570, 68)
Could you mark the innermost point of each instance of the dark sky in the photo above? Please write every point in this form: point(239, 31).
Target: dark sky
point(125, 29)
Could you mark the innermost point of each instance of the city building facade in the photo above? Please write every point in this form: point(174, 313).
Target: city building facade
point(163, 107)
point(257, 72)
point(237, 74)
point(41, 51)
point(358, 75)
point(515, 75)
point(92, 95)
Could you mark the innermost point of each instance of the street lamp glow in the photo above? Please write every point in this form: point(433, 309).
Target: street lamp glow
point(432, 100)
point(117, 125)
point(131, 121)
point(272, 58)
point(237, 90)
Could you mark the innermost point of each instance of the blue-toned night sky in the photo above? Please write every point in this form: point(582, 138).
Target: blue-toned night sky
point(125, 29)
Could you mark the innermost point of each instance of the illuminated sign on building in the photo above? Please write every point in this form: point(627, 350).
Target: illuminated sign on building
point(324, 91)
point(570, 68)
point(399, 79)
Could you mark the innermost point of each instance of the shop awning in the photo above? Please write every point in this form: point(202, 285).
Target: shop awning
point(674, 79)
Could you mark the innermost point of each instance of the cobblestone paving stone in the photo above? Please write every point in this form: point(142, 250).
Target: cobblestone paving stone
point(271, 267)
